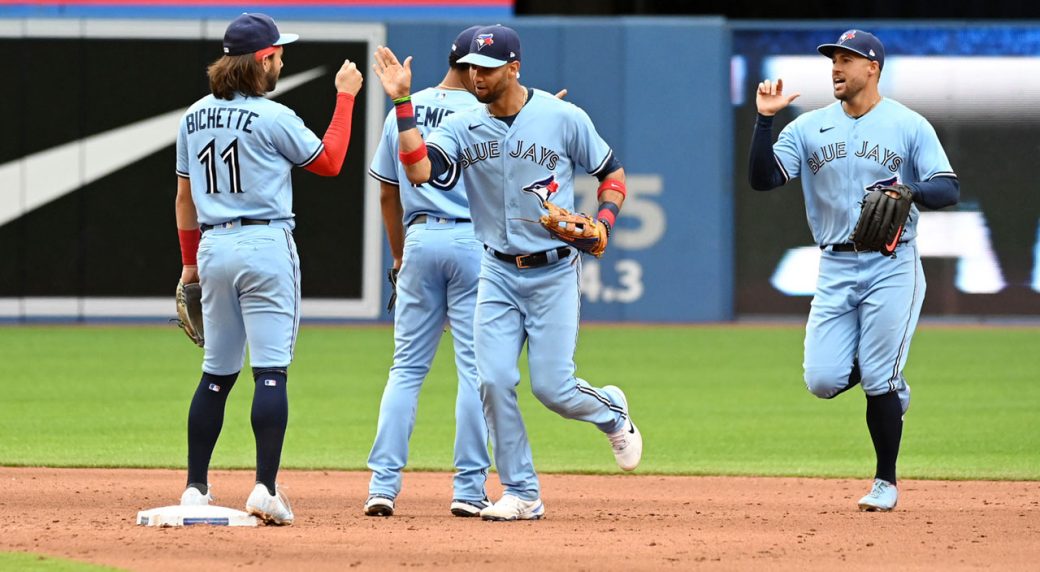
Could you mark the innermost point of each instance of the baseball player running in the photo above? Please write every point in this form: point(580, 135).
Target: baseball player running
point(861, 150)
point(439, 262)
point(235, 151)
point(518, 153)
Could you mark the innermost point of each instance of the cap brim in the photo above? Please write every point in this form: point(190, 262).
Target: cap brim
point(286, 39)
point(476, 59)
point(828, 50)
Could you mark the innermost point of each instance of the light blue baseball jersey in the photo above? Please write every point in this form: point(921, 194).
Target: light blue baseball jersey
point(511, 171)
point(239, 155)
point(841, 158)
point(444, 197)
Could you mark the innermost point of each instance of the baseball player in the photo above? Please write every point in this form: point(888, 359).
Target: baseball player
point(235, 151)
point(518, 153)
point(866, 304)
point(439, 262)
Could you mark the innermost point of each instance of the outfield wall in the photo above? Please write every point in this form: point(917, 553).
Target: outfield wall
point(87, 182)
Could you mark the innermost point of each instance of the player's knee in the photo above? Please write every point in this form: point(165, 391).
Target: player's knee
point(550, 395)
point(826, 382)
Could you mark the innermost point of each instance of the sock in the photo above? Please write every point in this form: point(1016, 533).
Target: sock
point(854, 379)
point(269, 417)
point(205, 419)
point(885, 421)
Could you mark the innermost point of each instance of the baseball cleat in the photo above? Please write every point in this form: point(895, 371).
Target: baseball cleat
point(882, 498)
point(194, 497)
point(272, 509)
point(510, 507)
point(466, 508)
point(378, 505)
point(627, 443)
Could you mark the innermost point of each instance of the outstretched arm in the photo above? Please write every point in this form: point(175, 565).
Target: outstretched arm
point(397, 83)
point(764, 172)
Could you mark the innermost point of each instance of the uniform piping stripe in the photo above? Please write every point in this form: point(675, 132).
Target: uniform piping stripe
point(787, 178)
point(182, 174)
point(603, 164)
point(296, 293)
point(906, 330)
point(441, 151)
point(947, 174)
point(601, 399)
point(379, 177)
point(314, 155)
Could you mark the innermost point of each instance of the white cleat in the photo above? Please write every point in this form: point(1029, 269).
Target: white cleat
point(193, 497)
point(882, 498)
point(628, 442)
point(379, 506)
point(510, 507)
point(270, 509)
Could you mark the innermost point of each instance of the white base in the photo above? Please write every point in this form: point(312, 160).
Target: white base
point(178, 515)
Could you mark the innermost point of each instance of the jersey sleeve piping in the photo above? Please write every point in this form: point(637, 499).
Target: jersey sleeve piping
point(314, 155)
point(948, 174)
point(603, 164)
point(378, 177)
point(183, 175)
point(434, 146)
point(783, 171)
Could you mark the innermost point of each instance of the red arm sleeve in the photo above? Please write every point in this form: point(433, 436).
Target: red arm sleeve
point(336, 140)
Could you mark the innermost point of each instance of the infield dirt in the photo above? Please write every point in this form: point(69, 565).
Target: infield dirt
point(624, 522)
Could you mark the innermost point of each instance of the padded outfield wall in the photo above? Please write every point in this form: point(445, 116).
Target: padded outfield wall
point(87, 182)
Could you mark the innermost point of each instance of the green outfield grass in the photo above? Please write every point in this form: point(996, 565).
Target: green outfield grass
point(27, 562)
point(709, 400)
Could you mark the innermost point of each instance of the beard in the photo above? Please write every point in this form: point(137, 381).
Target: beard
point(271, 79)
point(490, 95)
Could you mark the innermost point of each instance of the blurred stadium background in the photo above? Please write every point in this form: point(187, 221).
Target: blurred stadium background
point(94, 90)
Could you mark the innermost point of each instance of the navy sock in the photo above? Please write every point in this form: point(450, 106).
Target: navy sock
point(205, 419)
point(885, 421)
point(270, 415)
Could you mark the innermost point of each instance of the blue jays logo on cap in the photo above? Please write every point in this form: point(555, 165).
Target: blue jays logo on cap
point(492, 47)
point(484, 40)
point(544, 189)
point(858, 42)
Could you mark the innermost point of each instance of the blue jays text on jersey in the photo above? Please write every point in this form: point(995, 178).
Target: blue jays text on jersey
point(845, 157)
point(548, 138)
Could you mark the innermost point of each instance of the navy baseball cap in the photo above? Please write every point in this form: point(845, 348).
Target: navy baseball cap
point(492, 47)
point(860, 42)
point(253, 32)
point(460, 47)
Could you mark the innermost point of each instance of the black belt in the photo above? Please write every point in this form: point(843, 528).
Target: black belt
point(847, 247)
point(530, 260)
point(423, 218)
point(241, 221)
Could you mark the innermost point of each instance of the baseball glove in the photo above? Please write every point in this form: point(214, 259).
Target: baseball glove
point(882, 219)
point(189, 311)
point(391, 276)
point(579, 230)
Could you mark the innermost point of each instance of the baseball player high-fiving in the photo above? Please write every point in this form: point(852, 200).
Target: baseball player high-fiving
point(235, 151)
point(518, 154)
point(861, 151)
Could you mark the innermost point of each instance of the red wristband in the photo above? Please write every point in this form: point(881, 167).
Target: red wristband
point(413, 157)
point(607, 216)
point(611, 185)
point(189, 246)
point(404, 110)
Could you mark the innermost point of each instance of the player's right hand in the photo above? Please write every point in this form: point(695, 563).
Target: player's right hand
point(770, 97)
point(349, 79)
point(396, 78)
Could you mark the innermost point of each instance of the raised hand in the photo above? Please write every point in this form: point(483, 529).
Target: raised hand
point(349, 79)
point(396, 78)
point(770, 97)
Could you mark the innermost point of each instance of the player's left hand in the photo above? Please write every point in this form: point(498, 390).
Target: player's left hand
point(395, 77)
point(579, 230)
point(189, 274)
